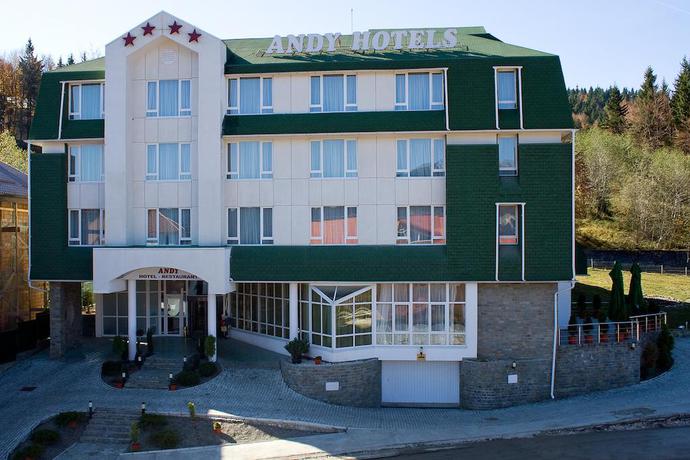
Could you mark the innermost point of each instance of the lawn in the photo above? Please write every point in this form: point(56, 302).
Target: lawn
point(672, 287)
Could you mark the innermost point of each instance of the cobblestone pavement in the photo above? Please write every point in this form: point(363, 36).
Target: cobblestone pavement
point(260, 392)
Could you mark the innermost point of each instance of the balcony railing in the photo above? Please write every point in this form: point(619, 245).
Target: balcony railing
point(611, 332)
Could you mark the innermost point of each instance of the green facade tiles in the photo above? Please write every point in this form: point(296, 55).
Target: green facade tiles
point(51, 257)
point(341, 122)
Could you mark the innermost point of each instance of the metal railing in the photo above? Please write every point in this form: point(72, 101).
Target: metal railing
point(611, 332)
point(647, 268)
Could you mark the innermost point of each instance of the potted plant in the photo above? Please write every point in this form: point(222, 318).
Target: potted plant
point(210, 346)
point(297, 347)
point(572, 327)
point(192, 410)
point(587, 330)
point(217, 427)
point(317, 360)
point(134, 436)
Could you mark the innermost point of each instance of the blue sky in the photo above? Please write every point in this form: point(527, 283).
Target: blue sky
point(600, 42)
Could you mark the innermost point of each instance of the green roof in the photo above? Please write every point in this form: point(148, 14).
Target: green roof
point(93, 64)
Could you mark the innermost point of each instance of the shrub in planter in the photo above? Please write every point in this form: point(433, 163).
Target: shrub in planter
point(32, 451)
point(648, 360)
point(45, 437)
point(187, 378)
point(120, 348)
point(152, 421)
point(149, 341)
point(587, 330)
point(297, 347)
point(165, 439)
point(207, 369)
point(192, 363)
point(665, 344)
point(111, 368)
point(192, 409)
point(71, 418)
point(134, 435)
point(210, 346)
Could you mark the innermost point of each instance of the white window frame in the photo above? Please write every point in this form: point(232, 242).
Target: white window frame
point(435, 240)
point(435, 172)
point(508, 172)
point(75, 176)
point(235, 174)
point(181, 175)
point(183, 241)
point(235, 109)
point(235, 240)
point(508, 240)
point(515, 81)
point(518, 91)
point(76, 115)
point(347, 107)
point(433, 105)
point(349, 239)
point(348, 173)
point(154, 113)
point(76, 241)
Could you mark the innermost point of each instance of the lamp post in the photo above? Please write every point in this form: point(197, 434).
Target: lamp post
point(143, 408)
point(90, 409)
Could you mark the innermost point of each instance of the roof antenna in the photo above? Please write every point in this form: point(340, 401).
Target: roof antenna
point(352, 20)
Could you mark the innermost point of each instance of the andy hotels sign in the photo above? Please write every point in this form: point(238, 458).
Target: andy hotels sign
point(364, 41)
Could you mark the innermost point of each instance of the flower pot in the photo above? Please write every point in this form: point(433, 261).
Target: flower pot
point(317, 360)
point(119, 385)
point(72, 424)
point(135, 446)
point(604, 338)
point(296, 359)
point(572, 340)
point(172, 387)
point(589, 339)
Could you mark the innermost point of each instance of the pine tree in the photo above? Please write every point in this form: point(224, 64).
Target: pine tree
point(83, 57)
point(31, 69)
point(615, 111)
point(649, 87)
point(60, 63)
point(680, 102)
point(70, 59)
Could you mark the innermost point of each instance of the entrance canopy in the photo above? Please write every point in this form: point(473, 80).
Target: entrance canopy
point(113, 266)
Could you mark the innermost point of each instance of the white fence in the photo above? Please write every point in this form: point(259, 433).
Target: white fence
point(611, 332)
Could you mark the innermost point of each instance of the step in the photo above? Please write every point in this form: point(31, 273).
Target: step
point(105, 440)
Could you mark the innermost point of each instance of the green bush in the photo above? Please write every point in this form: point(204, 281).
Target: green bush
point(207, 369)
point(120, 347)
point(187, 378)
point(665, 344)
point(31, 451)
point(165, 439)
point(297, 347)
point(210, 346)
point(45, 437)
point(64, 418)
point(192, 363)
point(154, 421)
point(111, 368)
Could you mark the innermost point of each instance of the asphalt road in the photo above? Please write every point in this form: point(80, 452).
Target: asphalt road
point(654, 443)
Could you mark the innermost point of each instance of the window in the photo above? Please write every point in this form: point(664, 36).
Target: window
point(414, 158)
point(329, 225)
point(86, 101)
point(250, 226)
point(507, 155)
point(169, 226)
point(506, 89)
point(417, 225)
point(168, 162)
point(420, 314)
point(250, 95)
point(86, 163)
point(508, 224)
point(419, 91)
point(250, 160)
point(262, 308)
point(169, 98)
point(334, 158)
point(86, 227)
point(333, 93)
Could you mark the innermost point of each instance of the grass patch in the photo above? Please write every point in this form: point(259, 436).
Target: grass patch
point(671, 287)
point(165, 439)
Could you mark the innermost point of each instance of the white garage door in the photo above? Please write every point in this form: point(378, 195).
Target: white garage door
point(420, 382)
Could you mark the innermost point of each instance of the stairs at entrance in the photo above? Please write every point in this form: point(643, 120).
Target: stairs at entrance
point(109, 426)
point(154, 374)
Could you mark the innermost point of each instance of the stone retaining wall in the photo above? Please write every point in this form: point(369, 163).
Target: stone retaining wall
point(358, 383)
point(486, 384)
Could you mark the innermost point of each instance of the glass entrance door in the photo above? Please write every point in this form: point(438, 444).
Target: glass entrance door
point(174, 314)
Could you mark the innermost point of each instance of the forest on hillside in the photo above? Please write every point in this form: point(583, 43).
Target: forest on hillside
point(633, 164)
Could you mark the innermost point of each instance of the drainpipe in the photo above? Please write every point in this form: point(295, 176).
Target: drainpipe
point(555, 337)
point(62, 103)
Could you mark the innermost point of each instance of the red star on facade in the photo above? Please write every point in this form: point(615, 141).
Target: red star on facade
point(175, 28)
point(129, 39)
point(194, 36)
point(148, 29)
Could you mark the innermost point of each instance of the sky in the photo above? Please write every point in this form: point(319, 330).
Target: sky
point(600, 42)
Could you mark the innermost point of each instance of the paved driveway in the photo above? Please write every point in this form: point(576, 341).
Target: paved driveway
point(260, 392)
